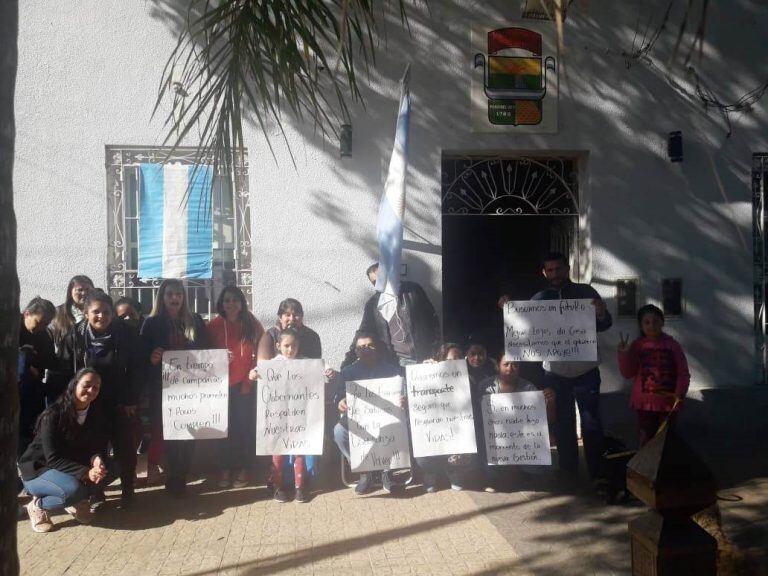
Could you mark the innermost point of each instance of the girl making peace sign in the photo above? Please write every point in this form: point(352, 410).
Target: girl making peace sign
point(658, 366)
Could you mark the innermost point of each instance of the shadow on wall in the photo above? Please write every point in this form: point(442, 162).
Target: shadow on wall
point(619, 113)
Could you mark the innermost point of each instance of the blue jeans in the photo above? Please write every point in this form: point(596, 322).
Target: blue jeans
point(341, 437)
point(58, 489)
point(585, 391)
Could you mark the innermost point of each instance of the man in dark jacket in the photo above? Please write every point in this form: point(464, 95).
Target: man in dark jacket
point(413, 333)
point(577, 382)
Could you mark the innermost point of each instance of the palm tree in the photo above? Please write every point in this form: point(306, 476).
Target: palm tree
point(243, 59)
point(9, 292)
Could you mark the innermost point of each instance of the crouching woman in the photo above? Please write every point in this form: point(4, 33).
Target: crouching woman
point(66, 461)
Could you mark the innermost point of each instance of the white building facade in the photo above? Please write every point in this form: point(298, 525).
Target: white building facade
point(592, 178)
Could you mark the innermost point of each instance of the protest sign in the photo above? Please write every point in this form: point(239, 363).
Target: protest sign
point(195, 394)
point(378, 432)
point(290, 409)
point(550, 330)
point(440, 409)
point(515, 429)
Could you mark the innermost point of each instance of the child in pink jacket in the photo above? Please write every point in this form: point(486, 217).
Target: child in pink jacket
point(657, 363)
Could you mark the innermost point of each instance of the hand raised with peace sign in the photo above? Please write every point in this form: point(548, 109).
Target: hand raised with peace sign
point(623, 342)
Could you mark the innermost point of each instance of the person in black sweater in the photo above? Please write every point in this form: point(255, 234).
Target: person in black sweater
point(66, 461)
point(114, 350)
point(35, 356)
point(170, 326)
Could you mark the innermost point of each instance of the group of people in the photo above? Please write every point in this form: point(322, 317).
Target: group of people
point(88, 367)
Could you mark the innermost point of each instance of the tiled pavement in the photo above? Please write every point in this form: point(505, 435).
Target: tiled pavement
point(529, 531)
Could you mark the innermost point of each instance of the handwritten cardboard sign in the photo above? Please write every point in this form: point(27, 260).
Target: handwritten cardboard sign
point(290, 408)
point(378, 431)
point(515, 429)
point(440, 409)
point(195, 394)
point(550, 330)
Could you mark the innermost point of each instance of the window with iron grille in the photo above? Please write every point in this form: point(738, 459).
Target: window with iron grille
point(231, 227)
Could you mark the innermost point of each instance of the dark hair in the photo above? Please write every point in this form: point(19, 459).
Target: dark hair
point(132, 302)
point(41, 306)
point(290, 304)
point(552, 256)
point(64, 319)
point(442, 352)
point(477, 345)
point(649, 309)
point(372, 268)
point(97, 295)
point(247, 321)
point(288, 331)
point(63, 412)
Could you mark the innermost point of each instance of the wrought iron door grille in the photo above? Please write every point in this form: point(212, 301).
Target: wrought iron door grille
point(759, 252)
point(519, 185)
point(231, 227)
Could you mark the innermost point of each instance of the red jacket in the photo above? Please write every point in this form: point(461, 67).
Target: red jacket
point(225, 334)
point(660, 372)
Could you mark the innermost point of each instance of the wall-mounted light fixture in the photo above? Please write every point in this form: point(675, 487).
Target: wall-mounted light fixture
point(675, 146)
point(626, 297)
point(345, 140)
point(672, 296)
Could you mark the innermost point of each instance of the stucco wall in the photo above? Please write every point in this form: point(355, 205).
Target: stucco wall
point(88, 77)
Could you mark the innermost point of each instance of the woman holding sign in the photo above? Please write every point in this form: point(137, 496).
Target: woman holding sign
point(237, 330)
point(170, 326)
point(67, 459)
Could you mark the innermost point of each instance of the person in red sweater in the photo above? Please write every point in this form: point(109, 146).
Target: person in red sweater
point(659, 368)
point(237, 330)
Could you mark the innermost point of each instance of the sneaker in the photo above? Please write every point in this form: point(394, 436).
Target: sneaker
point(224, 479)
point(363, 484)
point(81, 512)
point(281, 496)
point(241, 481)
point(457, 487)
point(490, 489)
point(431, 489)
point(95, 501)
point(302, 495)
point(38, 517)
point(389, 486)
point(154, 474)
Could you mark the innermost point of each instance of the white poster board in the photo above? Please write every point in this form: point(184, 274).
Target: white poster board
point(378, 431)
point(515, 429)
point(550, 330)
point(440, 409)
point(195, 400)
point(290, 408)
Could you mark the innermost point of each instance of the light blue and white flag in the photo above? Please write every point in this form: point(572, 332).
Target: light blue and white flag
point(175, 223)
point(392, 213)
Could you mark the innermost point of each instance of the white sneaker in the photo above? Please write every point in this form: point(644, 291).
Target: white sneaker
point(81, 512)
point(224, 480)
point(154, 475)
point(38, 517)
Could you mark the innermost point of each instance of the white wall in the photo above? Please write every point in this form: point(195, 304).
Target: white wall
point(88, 77)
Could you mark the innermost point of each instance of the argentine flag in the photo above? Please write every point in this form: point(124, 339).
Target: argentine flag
point(392, 213)
point(175, 221)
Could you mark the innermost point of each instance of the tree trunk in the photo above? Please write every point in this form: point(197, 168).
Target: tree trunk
point(9, 293)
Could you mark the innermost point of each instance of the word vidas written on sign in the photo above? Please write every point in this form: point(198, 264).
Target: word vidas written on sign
point(515, 429)
point(378, 431)
point(550, 330)
point(290, 408)
point(440, 409)
point(195, 394)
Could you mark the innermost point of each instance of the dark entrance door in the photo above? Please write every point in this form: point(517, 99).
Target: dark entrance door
point(500, 215)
